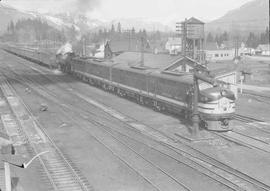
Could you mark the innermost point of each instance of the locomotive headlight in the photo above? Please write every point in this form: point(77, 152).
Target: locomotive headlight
point(223, 93)
point(223, 104)
point(204, 99)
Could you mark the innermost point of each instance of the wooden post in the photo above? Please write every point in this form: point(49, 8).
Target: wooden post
point(7, 176)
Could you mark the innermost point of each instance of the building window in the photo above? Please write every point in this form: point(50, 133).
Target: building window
point(216, 55)
point(221, 55)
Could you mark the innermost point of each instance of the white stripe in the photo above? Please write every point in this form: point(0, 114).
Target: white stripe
point(207, 111)
point(212, 106)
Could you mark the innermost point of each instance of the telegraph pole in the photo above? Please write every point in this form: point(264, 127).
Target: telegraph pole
point(236, 47)
point(184, 40)
point(129, 40)
point(142, 51)
point(83, 47)
point(195, 112)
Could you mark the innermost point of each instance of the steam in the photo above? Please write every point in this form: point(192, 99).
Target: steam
point(84, 6)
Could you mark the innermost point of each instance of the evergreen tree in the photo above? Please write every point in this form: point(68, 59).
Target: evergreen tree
point(266, 36)
point(209, 37)
point(224, 36)
point(133, 32)
point(112, 29)
point(252, 40)
point(12, 28)
point(144, 33)
point(119, 28)
point(157, 35)
point(218, 40)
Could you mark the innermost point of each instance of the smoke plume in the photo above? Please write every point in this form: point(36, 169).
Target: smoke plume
point(84, 6)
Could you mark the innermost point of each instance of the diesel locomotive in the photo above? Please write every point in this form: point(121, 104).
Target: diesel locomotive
point(150, 86)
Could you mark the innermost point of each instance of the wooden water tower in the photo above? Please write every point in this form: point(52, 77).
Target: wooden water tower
point(192, 33)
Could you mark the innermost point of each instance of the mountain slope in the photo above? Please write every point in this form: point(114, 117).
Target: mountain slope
point(8, 14)
point(79, 21)
point(250, 17)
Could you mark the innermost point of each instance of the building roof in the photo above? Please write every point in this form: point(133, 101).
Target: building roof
point(263, 47)
point(211, 46)
point(193, 20)
point(222, 67)
point(227, 44)
point(157, 63)
point(153, 63)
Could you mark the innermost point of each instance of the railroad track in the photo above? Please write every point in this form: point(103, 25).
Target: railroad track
point(258, 97)
point(199, 158)
point(99, 124)
point(253, 123)
point(61, 173)
point(120, 156)
point(246, 119)
point(245, 139)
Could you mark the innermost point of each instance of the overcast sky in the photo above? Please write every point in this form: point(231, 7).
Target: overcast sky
point(156, 10)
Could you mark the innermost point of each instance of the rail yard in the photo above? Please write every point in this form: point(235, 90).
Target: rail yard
point(139, 106)
point(97, 144)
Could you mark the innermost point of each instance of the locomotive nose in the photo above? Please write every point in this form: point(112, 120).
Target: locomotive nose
point(227, 94)
point(223, 93)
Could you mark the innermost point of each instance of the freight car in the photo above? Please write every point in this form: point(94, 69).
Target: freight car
point(162, 91)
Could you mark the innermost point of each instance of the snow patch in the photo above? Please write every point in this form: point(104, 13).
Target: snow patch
point(55, 20)
point(57, 72)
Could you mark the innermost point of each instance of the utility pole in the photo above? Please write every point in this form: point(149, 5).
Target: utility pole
point(84, 46)
point(142, 51)
point(236, 46)
point(184, 36)
point(129, 40)
point(195, 114)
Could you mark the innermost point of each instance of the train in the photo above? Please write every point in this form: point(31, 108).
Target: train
point(164, 92)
